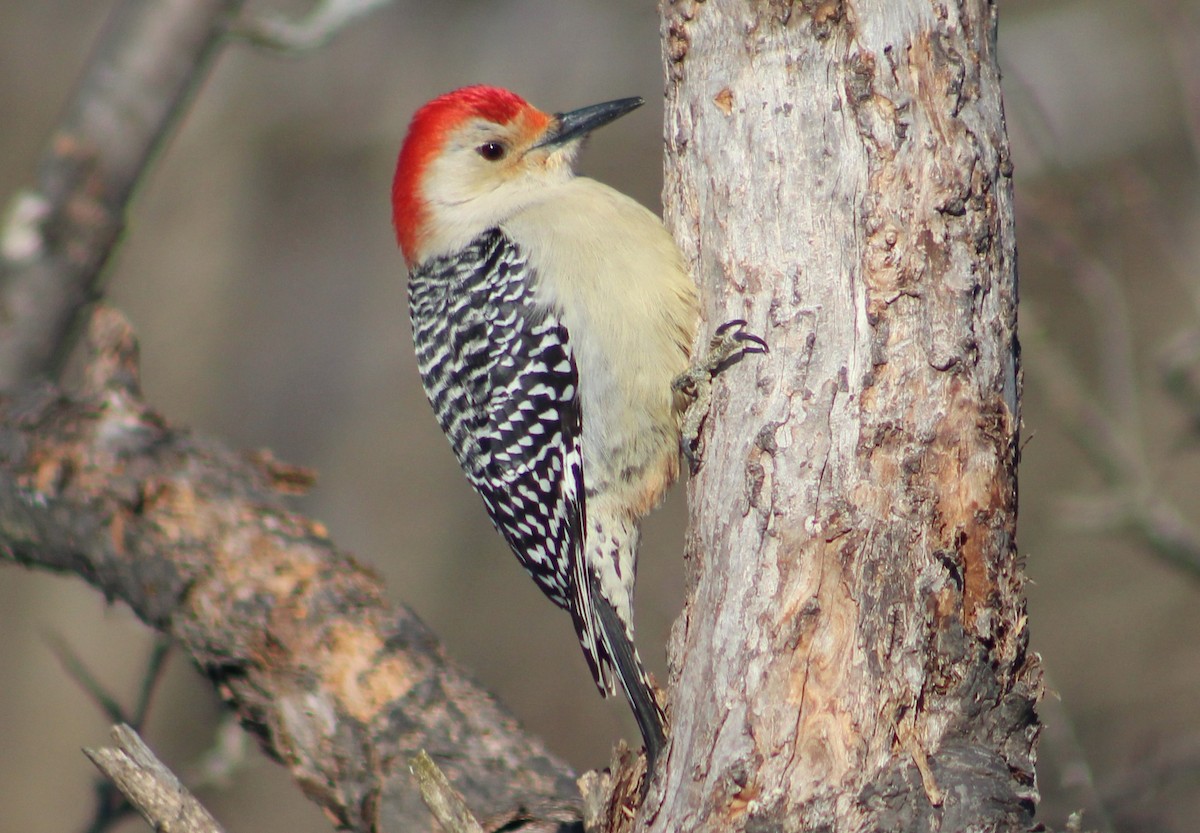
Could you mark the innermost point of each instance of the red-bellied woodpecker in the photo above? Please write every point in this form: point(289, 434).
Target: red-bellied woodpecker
point(551, 315)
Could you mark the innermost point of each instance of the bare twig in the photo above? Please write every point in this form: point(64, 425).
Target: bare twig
point(1087, 422)
point(78, 671)
point(111, 804)
point(325, 20)
point(445, 802)
point(150, 786)
point(1147, 218)
point(1179, 363)
point(154, 668)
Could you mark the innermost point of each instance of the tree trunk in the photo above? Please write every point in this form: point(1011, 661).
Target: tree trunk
point(853, 655)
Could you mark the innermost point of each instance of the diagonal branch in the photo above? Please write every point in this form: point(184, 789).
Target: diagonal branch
point(339, 685)
point(58, 236)
point(164, 802)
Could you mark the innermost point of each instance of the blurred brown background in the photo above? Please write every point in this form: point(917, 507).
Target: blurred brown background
point(260, 271)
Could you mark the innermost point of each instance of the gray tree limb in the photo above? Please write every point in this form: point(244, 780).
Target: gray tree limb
point(58, 236)
point(338, 684)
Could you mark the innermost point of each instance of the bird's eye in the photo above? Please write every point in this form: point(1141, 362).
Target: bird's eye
point(492, 151)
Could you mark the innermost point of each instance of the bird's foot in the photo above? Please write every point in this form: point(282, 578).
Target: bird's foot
point(729, 343)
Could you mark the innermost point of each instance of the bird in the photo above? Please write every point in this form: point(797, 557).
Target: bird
point(553, 317)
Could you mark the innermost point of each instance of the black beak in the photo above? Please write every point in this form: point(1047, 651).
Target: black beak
point(577, 123)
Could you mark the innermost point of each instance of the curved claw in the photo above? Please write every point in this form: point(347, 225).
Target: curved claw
point(760, 346)
point(724, 348)
point(744, 341)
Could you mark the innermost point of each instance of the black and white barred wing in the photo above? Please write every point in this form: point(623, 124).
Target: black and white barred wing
point(499, 373)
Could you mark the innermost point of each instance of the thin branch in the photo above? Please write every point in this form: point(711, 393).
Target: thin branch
point(1146, 218)
point(1109, 309)
point(1102, 292)
point(150, 786)
point(1083, 417)
point(150, 679)
point(316, 29)
point(111, 804)
point(78, 671)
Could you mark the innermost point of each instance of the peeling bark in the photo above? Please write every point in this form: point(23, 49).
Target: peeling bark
point(853, 654)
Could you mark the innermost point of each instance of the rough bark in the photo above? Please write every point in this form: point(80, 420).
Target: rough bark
point(339, 685)
point(853, 654)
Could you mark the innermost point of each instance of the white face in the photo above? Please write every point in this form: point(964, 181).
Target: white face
point(487, 172)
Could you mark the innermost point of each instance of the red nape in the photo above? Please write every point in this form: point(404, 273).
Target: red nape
point(426, 133)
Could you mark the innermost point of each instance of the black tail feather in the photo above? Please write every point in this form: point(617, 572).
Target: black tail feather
point(650, 718)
